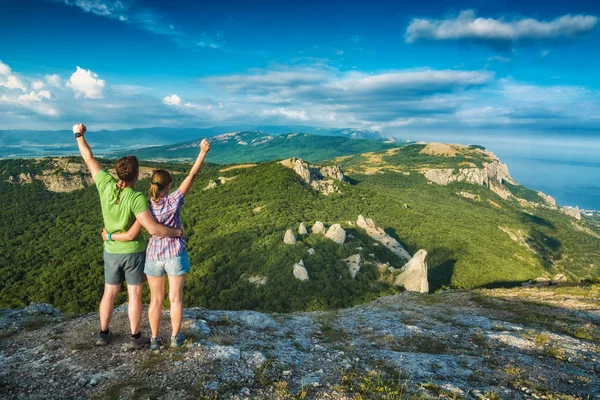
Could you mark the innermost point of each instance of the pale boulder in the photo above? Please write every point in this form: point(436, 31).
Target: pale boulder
point(289, 237)
point(300, 272)
point(353, 263)
point(318, 227)
point(336, 233)
point(302, 229)
point(414, 274)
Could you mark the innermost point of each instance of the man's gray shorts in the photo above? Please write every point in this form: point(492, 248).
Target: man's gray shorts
point(124, 267)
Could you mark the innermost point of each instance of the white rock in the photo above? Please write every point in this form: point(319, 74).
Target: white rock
point(379, 234)
point(289, 237)
point(258, 280)
point(196, 327)
point(254, 359)
point(559, 278)
point(318, 227)
point(336, 233)
point(300, 272)
point(353, 263)
point(302, 229)
point(312, 252)
point(414, 274)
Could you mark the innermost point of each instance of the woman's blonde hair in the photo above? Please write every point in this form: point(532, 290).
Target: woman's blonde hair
point(160, 180)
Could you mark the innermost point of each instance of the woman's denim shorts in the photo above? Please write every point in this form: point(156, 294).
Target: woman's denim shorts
point(171, 266)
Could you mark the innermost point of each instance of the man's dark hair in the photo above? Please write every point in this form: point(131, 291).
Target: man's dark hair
point(128, 168)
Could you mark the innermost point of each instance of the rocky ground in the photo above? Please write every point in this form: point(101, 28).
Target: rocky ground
point(495, 344)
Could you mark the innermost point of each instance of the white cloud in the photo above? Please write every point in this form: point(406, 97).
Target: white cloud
point(85, 82)
point(172, 100)
point(13, 82)
point(4, 69)
point(32, 96)
point(37, 85)
point(103, 8)
point(54, 80)
point(469, 27)
point(33, 101)
point(287, 114)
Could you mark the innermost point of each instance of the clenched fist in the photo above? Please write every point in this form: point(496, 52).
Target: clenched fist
point(79, 128)
point(204, 146)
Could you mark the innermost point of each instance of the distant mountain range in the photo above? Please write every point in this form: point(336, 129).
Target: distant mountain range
point(27, 143)
point(257, 146)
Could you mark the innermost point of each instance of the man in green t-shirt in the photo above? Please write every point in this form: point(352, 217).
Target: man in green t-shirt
point(123, 261)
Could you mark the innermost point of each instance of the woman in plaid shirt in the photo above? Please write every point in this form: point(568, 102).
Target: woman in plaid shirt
point(165, 256)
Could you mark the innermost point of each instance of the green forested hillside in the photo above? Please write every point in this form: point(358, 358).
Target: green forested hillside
point(256, 146)
point(52, 247)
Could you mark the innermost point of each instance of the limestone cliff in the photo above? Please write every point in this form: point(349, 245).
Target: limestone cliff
point(316, 176)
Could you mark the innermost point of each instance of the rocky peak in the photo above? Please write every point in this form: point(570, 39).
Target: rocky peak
point(316, 176)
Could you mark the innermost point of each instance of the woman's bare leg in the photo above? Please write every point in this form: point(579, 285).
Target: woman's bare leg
point(175, 298)
point(157, 296)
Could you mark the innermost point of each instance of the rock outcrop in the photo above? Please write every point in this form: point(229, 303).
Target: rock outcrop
point(438, 344)
point(311, 252)
point(550, 201)
point(302, 229)
point(289, 237)
point(379, 235)
point(336, 233)
point(573, 212)
point(353, 263)
point(219, 182)
point(318, 228)
point(413, 276)
point(258, 280)
point(300, 272)
point(316, 176)
point(492, 175)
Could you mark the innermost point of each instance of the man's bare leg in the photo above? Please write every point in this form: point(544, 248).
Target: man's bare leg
point(134, 293)
point(157, 296)
point(175, 298)
point(107, 303)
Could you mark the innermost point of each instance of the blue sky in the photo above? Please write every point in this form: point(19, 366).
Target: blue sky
point(436, 67)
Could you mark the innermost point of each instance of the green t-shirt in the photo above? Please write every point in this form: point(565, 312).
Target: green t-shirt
point(118, 217)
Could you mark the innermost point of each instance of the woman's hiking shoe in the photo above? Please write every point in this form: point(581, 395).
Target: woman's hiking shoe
point(156, 343)
point(177, 340)
point(136, 344)
point(102, 339)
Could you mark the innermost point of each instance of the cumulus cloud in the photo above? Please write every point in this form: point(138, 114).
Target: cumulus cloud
point(13, 82)
point(85, 82)
point(37, 85)
point(4, 69)
point(468, 27)
point(54, 80)
point(172, 100)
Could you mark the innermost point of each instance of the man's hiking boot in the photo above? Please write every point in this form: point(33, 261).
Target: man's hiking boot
point(103, 339)
point(136, 344)
point(156, 343)
point(177, 340)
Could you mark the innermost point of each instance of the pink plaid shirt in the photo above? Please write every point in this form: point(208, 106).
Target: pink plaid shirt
point(166, 212)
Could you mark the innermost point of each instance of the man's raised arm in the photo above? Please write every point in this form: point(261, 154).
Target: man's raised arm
point(93, 165)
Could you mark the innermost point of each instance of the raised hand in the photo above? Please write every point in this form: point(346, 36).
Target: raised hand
point(204, 146)
point(79, 128)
